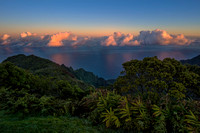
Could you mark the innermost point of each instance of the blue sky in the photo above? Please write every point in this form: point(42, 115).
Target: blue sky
point(100, 17)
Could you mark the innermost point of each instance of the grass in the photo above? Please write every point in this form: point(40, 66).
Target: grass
point(50, 124)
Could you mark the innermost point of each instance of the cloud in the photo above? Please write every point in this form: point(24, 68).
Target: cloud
point(119, 39)
point(110, 41)
point(118, 34)
point(73, 38)
point(161, 37)
point(129, 41)
point(42, 37)
point(80, 41)
point(56, 39)
point(155, 37)
point(181, 40)
point(5, 39)
point(145, 38)
point(26, 34)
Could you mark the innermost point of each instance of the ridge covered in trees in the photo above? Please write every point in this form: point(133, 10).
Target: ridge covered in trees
point(151, 95)
point(193, 61)
point(45, 67)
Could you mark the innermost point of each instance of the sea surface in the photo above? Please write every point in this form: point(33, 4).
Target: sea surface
point(104, 62)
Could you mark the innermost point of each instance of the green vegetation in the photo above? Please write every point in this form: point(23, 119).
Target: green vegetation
point(51, 124)
point(40, 66)
point(92, 79)
point(193, 61)
point(150, 96)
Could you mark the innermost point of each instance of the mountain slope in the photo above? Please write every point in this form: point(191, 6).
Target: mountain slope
point(193, 61)
point(40, 66)
point(45, 67)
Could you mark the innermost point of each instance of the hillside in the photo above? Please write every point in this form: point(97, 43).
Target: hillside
point(45, 67)
point(89, 77)
point(193, 61)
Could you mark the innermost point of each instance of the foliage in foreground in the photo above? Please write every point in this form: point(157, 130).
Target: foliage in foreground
point(50, 124)
point(150, 96)
point(21, 91)
point(136, 114)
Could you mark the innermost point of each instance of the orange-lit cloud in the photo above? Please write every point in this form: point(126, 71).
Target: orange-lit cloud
point(161, 37)
point(26, 34)
point(5, 37)
point(110, 41)
point(42, 37)
point(81, 41)
point(155, 37)
point(181, 40)
point(119, 39)
point(129, 40)
point(56, 39)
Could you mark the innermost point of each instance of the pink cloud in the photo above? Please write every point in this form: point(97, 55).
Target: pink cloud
point(42, 37)
point(161, 37)
point(5, 37)
point(181, 40)
point(155, 37)
point(56, 39)
point(73, 38)
point(129, 40)
point(80, 41)
point(110, 41)
point(118, 34)
point(26, 34)
point(119, 39)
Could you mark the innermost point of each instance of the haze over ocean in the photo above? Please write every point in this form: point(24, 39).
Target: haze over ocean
point(106, 63)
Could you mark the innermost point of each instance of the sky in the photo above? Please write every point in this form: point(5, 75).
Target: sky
point(99, 17)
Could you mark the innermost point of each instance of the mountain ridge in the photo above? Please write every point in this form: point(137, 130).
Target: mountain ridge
point(45, 67)
point(193, 61)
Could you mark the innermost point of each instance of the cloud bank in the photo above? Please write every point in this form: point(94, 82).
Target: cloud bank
point(145, 38)
point(161, 37)
point(155, 37)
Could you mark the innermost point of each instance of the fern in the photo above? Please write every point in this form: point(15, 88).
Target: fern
point(137, 107)
point(157, 111)
point(159, 125)
point(126, 112)
point(193, 123)
point(140, 114)
point(110, 118)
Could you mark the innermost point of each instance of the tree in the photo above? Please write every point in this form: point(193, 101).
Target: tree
point(152, 77)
